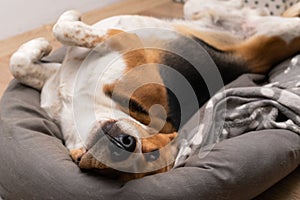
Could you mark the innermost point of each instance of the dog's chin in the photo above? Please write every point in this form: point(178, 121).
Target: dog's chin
point(124, 176)
point(86, 161)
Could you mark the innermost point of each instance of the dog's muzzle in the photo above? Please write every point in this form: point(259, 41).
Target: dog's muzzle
point(120, 142)
point(110, 142)
point(124, 146)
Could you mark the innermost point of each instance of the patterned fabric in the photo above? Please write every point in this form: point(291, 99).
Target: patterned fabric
point(275, 7)
point(238, 110)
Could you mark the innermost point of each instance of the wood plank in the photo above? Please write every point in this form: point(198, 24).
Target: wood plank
point(286, 189)
point(167, 11)
point(124, 7)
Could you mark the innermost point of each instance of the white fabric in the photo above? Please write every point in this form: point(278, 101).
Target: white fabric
point(275, 7)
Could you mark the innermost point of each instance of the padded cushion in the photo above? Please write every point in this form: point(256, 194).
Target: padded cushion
point(36, 165)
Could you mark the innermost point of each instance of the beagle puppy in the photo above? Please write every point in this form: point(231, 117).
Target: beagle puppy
point(128, 83)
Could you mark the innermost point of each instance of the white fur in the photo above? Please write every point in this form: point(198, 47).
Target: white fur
point(238, 19)
point(25, 64)
point(63, 87)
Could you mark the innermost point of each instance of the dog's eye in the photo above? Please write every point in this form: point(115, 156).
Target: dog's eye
point(134, 106)
point(152, 156)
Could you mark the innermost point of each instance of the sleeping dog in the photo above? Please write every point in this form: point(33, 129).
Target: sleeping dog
point(113, 96)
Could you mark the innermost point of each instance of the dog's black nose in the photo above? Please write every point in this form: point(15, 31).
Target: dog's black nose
point(124, 141)
point(121, 144)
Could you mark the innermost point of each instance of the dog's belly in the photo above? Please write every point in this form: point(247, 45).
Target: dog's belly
point(58, 93)
point(278, 26)
point(74, 96)
point(131, 22)
point(58, 102)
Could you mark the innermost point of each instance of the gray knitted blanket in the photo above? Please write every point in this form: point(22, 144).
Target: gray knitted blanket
point(250, 103)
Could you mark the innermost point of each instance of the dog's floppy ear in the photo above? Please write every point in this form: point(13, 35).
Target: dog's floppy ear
point(157, 141)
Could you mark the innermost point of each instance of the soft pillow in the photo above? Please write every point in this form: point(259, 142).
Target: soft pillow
point(36, 165)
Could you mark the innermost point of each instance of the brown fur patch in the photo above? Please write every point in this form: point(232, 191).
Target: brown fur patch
point(157, 141)
point(222, 41)
point(89, 162)
point(262, 52)
point(123, 41)
point(66, 35)
point(76, 154)
point(99, 39)
point(146, 95)
point(293, 11)
point(259, 52)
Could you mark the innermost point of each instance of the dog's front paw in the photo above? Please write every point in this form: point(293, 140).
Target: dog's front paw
point(25, 62)
point(30, 52)
point(70, 15)
point(68, 27)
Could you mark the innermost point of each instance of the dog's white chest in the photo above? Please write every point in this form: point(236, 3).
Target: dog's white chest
point(80, 82)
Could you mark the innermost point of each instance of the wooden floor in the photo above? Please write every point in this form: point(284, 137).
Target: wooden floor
point(287, 189)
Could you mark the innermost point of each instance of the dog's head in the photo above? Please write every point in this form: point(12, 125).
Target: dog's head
point(133, 129)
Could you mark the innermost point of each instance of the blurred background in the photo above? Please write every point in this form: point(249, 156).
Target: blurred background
point(19, 16)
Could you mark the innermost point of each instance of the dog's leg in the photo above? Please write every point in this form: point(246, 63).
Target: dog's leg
point(258, 53)
point(27, 67)
point(270, 45)
point(293, 11)
point(69, 30)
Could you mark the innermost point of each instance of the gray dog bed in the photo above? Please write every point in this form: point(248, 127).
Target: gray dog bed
point(36, 165)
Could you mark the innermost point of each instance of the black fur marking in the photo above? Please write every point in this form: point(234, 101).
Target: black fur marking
point(229, 66)
point(181, 112)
